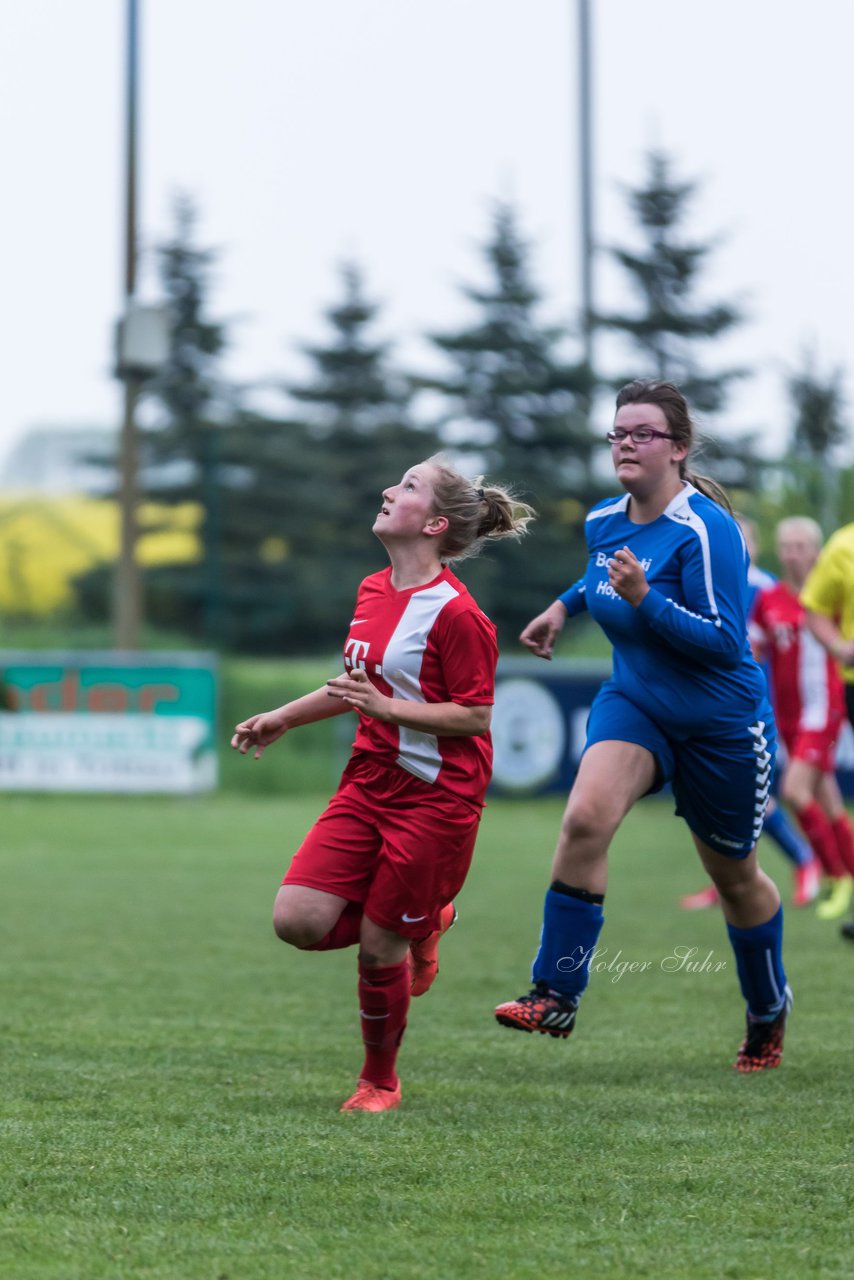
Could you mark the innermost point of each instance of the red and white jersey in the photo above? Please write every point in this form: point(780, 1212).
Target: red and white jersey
point(426, 644)
point(807, 687)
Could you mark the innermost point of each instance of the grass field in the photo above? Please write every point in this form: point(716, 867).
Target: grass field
point(172, 1073)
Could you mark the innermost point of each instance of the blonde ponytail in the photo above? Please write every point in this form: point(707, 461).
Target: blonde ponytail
point(475, 511)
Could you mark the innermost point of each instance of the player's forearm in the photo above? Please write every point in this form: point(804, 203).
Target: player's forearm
point(446, 719)
point(574, 601)
point(310, 708)
point(828, 634)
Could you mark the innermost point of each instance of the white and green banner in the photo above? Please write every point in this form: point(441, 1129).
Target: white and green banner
point(108, 722)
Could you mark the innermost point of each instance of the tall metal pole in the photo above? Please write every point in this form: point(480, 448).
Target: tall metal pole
point(128, 587)
point(585, 155)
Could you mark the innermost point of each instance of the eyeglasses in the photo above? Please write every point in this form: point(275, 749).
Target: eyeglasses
point(638, 435)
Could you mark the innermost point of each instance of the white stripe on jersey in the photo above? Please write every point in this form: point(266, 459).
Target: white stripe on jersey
point(757, 577)
point(619, 505)
point(404, 654)
point(812, 681)
point(681, 511)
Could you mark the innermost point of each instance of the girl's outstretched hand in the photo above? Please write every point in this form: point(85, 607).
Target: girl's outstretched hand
point(258, 732)
point(541, 632)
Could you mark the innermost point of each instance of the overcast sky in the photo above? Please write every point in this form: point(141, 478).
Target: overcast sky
point(313, 131)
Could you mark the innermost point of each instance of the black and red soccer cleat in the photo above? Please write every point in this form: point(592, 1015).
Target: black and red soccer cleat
point(762, 1047)
point(541, 1010)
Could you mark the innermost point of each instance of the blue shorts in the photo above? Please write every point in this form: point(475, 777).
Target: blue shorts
point(720, 783)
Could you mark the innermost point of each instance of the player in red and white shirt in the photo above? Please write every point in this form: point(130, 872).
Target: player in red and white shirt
point(809, 706)
point(382, 864)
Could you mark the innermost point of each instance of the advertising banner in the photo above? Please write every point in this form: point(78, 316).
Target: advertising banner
point(108, 722)
point(539, 720)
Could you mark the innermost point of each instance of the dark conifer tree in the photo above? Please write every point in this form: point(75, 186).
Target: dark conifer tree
point(188, 405)
point(361, 436)
point(818, 426)
point(183, 412)
point(670, 324)
point(517, 408)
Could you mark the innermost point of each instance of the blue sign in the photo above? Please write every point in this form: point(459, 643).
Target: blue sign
point(539, 722)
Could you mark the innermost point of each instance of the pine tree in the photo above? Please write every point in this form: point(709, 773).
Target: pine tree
point(818, 403)
point(271, 499)
point(187, 388)
point(818, 427)
point(670, 323)
point(518, 410)
point(183, 413)
point(359, 437)
point(513, 400)
point(188, 405)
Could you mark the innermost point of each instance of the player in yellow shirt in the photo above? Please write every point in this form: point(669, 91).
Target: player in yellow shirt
point(828, 597)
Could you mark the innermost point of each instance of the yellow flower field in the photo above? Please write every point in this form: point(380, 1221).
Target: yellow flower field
point(45, 543)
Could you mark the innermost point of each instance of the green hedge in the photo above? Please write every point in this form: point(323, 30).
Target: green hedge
point(311, 758)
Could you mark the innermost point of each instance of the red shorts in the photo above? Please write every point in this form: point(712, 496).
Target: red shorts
point(816, 747)
point(396, 844)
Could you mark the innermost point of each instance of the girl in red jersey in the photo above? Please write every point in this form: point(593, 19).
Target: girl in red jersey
point(809, 706)
point(382, 864)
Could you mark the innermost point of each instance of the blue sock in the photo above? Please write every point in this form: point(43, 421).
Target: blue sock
point(571, 929)
point(780, 829)
point(759, 961)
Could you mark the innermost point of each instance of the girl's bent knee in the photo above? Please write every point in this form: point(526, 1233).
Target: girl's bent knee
point(739, 889)
point(584, 822)
point(297, 933)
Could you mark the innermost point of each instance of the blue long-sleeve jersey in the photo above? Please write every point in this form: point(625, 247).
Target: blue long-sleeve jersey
point(682, 655)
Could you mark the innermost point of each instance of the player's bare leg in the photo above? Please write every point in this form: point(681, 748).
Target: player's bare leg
point(611, 777)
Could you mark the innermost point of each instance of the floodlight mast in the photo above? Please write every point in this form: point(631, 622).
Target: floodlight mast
point(127, 596)
point(142, 347)
point(585, 158)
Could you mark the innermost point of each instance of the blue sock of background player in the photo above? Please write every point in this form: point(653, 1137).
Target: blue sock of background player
point(781, 831)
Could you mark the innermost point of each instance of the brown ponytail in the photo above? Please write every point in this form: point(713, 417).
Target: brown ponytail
point(708, 486)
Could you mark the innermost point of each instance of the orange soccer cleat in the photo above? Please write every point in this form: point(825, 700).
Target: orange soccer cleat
point(807, 883)
point(707, 897)
point(372, 1097)
point(423, 955)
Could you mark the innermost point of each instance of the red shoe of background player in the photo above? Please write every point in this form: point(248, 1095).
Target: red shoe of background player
point(707, 897)
point(807, 883)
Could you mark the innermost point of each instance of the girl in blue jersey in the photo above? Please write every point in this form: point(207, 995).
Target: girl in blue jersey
point(667, 581)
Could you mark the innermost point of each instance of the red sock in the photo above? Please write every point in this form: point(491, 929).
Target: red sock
point(818, 830)
point(844, 841)
point(344, 932)
point(383, 1004)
